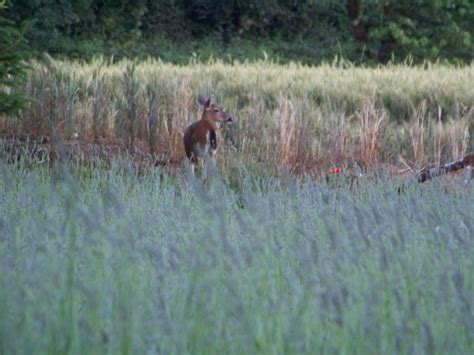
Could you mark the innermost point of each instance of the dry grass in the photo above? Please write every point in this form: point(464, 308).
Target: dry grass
point(292, 117)
point(371, 127)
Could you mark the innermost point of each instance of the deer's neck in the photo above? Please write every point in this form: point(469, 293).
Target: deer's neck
point(209, 123)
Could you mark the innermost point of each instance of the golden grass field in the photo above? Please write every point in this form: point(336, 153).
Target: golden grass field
point(300, 118)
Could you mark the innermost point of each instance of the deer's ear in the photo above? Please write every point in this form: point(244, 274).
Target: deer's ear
point(204, 102)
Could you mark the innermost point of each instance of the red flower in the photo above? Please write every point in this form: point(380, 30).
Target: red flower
point(337, 170)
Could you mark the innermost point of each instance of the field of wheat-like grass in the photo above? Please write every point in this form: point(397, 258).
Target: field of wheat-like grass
point(106, 261)
point(305, 119)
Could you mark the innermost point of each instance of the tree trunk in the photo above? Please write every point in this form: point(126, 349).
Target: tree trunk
point(359, 29)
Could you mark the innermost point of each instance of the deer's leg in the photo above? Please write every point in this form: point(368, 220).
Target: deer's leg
point(214, 158)
point(202, 167)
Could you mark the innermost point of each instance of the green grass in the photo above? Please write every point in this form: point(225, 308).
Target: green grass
point(108, 262)
point(179, 51)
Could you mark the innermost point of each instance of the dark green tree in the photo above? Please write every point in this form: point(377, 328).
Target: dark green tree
point(14, 52)
point(359, 30)
point(421, 29)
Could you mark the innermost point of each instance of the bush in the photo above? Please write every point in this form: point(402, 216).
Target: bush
point(368, 31)
point(14, 51)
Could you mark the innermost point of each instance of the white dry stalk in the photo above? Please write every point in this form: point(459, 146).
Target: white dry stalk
point(371, 129)
point(417, 133)
point(287, 119)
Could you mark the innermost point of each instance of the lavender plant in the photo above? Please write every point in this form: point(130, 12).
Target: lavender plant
point(109, 262)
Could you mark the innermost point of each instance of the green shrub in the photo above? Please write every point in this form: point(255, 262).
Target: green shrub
point(14, 52)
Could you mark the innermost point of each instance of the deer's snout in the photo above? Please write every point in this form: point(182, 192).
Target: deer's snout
point(225, 118)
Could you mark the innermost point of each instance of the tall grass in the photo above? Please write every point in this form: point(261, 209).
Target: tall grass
point(292, 116)
point(113, 263)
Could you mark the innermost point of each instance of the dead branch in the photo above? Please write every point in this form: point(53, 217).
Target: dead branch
point(433, 171)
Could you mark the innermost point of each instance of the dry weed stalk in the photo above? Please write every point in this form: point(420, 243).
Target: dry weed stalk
point(438, 139)
point(371, 130)
point(152, 114)
point(288, 130)
point(417, 133)
point(179, 119)
point(130, 89)
point(98, 105)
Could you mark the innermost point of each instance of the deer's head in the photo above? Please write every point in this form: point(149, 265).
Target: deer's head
point(212, 111)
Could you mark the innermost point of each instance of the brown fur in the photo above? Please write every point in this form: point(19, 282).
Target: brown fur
point(196, 140)
point(202, 136)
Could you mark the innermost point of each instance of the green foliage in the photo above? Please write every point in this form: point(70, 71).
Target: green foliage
point(359, 30)
point(113, 263)
point(14, 51)
point(424, 30)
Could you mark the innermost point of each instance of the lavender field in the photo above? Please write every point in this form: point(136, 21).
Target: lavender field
point(105, 261)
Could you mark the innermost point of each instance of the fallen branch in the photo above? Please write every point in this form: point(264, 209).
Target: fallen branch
point(433, 171)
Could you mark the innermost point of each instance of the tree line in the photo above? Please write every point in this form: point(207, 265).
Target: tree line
point(311, 30)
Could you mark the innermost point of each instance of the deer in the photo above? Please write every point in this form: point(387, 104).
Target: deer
point(201, 138)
